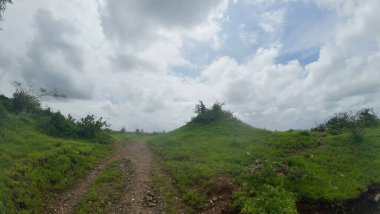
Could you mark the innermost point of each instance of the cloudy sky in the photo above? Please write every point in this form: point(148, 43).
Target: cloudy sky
point(277, 64)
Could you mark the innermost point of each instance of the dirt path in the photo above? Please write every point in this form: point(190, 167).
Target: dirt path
point(140, 197)
point(68, 200)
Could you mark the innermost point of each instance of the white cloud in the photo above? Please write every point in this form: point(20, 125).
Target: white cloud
point(119, 55)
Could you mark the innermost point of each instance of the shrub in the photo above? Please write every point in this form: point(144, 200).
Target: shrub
point(351, 121)
point(55, 124)
point(24, 101)
point(205, 115)
point(339, 122)
point(367, 118)
point(90, 128)
point(271, 200)
point(3, 115)
point(319, 128)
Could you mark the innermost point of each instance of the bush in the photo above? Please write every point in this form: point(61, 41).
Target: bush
point(339, 122)
point(205, 115)
point(55, 124)
point(123, 130)
point(3, 115)
point(319, 128)
point(271, 200)
point(24, 101)
point(90, 128)
point(367, 118)
point(350, 121)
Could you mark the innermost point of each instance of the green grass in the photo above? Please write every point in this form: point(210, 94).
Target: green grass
point(124, 136)
point(34, 166)
point(315, 165)
point(108, 188)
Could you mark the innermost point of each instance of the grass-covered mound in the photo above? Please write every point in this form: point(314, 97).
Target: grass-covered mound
point(272, 170)
point(43, 152)
point(34, 166)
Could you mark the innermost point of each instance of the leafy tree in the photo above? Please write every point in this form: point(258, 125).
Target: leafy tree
point(354, 122)
point(89, 126)
point(56, 124)
point(200, 108)
point(26, 100)
point(339, 121)
point(367, 118)
point(122, 130)
point(205, 115)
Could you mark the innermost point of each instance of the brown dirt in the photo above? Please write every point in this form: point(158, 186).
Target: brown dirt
point(320, 144)
point(140, 198)
point(221, 196)
point(67, 201)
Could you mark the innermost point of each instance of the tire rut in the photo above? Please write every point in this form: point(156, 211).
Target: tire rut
point(135, 201)
point(67, 201)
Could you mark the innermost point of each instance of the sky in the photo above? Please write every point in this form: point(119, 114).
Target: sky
point(276, 64)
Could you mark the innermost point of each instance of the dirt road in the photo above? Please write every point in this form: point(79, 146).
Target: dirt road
point(138, 199)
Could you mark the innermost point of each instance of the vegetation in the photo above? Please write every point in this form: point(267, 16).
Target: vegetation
point(34, 166)
point(108, 188)
point(353, 122)
point(25, 102)
point(205, 115)
point(43, 152)
point(273, 169)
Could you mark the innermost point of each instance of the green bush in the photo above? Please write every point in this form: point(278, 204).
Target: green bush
point(206, 116)
point(353, 122)
point(339, 122)
point(367, 118)
point(3, 115)
point(270, 200)
point(55, 124)
point(24, 101)
point(91, 128)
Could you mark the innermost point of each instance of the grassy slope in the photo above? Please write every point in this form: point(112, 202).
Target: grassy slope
point(34, 166)
point(316, 166)
point(105, 194)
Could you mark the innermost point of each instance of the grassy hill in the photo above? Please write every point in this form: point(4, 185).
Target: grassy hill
point(267, 172)
point(35, 164)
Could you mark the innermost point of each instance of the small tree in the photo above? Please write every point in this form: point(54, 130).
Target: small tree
point(354, 122)
point(200, 108)
point(122, 130)
point(26, 100)
point(88, 127)
point(366, 117)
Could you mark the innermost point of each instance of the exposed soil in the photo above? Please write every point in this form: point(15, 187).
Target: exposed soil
point(67, 201)
point(139, 196)
point(367, 203)
point(221, 196)
point(320, 144)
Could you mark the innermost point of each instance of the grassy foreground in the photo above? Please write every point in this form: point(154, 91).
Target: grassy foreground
point(34, 166)
point(105, 194)
point(273, 170)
